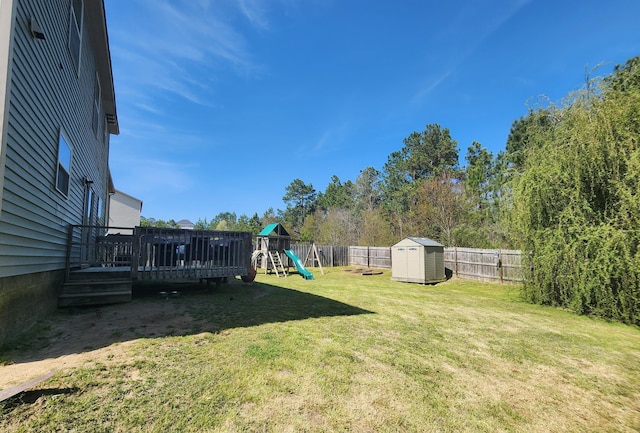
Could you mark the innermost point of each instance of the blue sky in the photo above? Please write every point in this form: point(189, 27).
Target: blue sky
point(222, 103)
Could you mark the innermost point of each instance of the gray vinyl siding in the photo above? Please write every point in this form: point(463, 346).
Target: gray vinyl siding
point(47, 95)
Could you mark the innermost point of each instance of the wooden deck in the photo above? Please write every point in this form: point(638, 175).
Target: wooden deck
point(101, 268)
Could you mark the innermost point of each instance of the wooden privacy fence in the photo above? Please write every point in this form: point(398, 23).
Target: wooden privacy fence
point(470, 263)
point(329, 255)
point(483, 264)
point(371, 257)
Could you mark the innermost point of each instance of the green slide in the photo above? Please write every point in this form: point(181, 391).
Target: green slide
point(299, 266)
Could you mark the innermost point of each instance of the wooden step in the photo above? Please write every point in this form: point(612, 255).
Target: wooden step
point(96, 286)
point(95, 298)
point(98, 275)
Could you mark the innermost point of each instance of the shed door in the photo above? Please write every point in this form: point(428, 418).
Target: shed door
point(415, 264)
point(399, 262)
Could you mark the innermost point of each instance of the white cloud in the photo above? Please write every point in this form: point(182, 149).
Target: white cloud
point(175, 49)
point(254, 12)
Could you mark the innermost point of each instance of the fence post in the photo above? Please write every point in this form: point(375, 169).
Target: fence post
point(455, 260)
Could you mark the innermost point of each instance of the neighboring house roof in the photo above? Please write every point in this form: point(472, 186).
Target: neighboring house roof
point(275, 229)
point(185, 224)
point(426, 242)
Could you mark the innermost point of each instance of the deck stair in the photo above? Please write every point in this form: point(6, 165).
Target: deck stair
point(96, 286)
point(276, 261)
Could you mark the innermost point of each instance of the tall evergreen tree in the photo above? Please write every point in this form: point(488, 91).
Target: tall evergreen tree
point(368, 189)
point(478, 174)
point(424, 155)
point(301, 201)
point(337, 195)
point(525, 134)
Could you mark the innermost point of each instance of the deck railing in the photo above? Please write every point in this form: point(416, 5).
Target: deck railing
point(160, 253)
point(175, 253)
point(92, 246)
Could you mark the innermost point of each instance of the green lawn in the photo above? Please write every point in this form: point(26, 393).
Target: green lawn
point(346, 352)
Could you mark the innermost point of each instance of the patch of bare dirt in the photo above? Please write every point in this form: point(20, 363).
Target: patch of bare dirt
point(362, 271)
point(93, 334)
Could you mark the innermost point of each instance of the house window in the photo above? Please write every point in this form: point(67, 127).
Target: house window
point(89, 210)
point(95, 121)
point(64, 166)
point(75, 32)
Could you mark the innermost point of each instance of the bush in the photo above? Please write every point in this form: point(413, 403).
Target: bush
point(576, 206)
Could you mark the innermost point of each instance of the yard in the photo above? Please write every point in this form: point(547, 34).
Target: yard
point(343, 352)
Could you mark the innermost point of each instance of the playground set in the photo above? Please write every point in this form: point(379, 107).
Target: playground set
point(273, 253)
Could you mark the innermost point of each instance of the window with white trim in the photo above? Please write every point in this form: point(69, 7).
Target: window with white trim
point(63, 171)
point(89, 207)
point(75, 32)
point(95, 121)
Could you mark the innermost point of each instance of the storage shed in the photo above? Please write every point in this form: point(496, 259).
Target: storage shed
point(417, 260)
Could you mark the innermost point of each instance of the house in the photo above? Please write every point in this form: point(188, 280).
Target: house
point(57, 112)
point(185, 224)
point(124, 211)
point(417, 260)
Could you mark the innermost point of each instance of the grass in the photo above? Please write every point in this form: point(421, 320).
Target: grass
point(353, 353)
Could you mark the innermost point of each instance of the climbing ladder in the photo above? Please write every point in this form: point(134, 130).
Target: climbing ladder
point(274, 256)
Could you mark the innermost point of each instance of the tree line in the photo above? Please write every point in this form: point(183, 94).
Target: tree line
point(420, 191)
point(565, 190)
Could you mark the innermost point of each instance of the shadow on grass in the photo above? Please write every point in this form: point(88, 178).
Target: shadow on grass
point(198, 308)
point(30, 397)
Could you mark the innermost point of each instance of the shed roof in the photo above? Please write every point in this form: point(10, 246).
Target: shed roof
point(271, 228)
point(426, 242)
